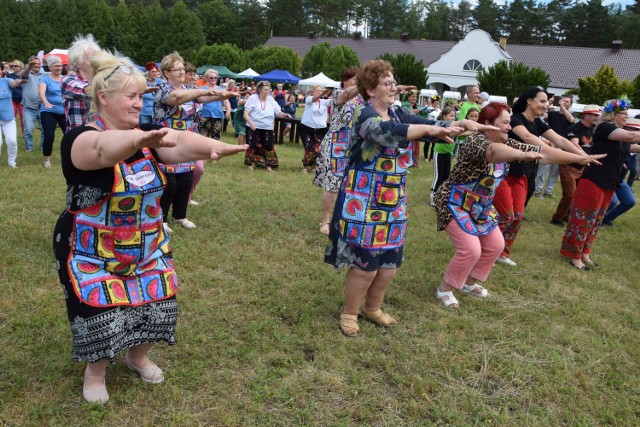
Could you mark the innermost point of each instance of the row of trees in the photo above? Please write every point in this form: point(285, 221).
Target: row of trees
point(148, 29)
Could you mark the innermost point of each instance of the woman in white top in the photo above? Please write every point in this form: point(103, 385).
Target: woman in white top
point(313, 125)
point(259, 112)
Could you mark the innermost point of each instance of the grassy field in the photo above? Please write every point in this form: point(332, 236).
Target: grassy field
point(258, 338)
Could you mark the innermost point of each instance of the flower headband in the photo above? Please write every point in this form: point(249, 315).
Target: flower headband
point(617, 105)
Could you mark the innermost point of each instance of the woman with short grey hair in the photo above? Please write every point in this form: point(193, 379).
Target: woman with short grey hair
point(76, 85)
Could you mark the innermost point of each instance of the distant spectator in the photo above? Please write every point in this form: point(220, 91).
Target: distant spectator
point(260, 112)
point(280, 95)
point(16, 92)
point(31, 101)
point(51, 109)
point(153, 79)
point(7, 118)
point(313, 125)
point(483, 99)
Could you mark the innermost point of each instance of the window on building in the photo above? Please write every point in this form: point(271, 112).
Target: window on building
point(472, 65)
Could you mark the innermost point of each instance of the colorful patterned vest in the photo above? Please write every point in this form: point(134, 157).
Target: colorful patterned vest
point(119, 252)
point(472, 203)
point(184, 119)
point(340, 141)
point(373, 215)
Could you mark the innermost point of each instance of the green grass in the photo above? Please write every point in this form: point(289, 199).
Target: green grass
point(258, 339)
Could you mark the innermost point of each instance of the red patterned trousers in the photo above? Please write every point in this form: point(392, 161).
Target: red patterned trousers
point(509, 202)
point(589, 205)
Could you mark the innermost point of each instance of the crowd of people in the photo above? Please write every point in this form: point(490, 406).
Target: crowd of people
point(135, 144)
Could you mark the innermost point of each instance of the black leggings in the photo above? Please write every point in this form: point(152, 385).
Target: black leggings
point(49, 121)
point(177, 193)
point(441, 170)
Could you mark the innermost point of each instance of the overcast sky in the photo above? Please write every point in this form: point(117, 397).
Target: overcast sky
point(605, 2)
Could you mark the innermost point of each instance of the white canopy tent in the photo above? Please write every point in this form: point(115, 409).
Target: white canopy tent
point(498, 98)
point(426, 93)
point(319, 80)
point(247, 74)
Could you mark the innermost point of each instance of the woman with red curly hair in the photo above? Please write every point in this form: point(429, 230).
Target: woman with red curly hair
point(597, 185)
point(464, 204)
point(369, 221)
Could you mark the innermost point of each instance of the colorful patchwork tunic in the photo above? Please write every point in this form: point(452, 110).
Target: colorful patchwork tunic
point(467, 197)
point(369, 221)
point(178, 117)
point(114, 260)
point(334, 150)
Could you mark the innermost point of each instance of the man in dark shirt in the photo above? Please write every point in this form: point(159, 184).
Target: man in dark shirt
point(579, 133)
point(559, 119)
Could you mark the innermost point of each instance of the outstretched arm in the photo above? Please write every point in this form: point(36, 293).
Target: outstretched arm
point(192, 146)
point(98, 150)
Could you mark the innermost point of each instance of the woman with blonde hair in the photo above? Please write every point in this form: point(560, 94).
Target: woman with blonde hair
point(598, 184)
point(113, 256)
point(177, 105)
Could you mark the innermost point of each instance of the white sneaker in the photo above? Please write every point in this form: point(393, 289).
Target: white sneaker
point(193, 203)
point(47, 164)
point(506, 261)
point(167, 230)
point(185, 223)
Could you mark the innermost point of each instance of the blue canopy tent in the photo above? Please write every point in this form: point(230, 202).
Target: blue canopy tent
point(278, 76)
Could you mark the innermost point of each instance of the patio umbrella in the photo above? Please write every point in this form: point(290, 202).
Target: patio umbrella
point(63, 54)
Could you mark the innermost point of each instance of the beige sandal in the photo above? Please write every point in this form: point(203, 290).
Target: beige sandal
point(349, 325)
point(378, 317)
point(324, 228)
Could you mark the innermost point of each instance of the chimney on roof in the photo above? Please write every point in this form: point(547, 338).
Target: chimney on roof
point(503, 43)
point(405, 36)
point(357, 35)
point(616, 45)
point(312, 34)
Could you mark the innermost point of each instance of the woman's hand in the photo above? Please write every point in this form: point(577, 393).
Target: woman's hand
point(405, 88)
point(212, 92)
point(472, 126)
point(154, 139)
point(227, 150)
point(591, 159)
point(443, 133)
point(252, 126)
point(150, 89)
point(47, 105)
